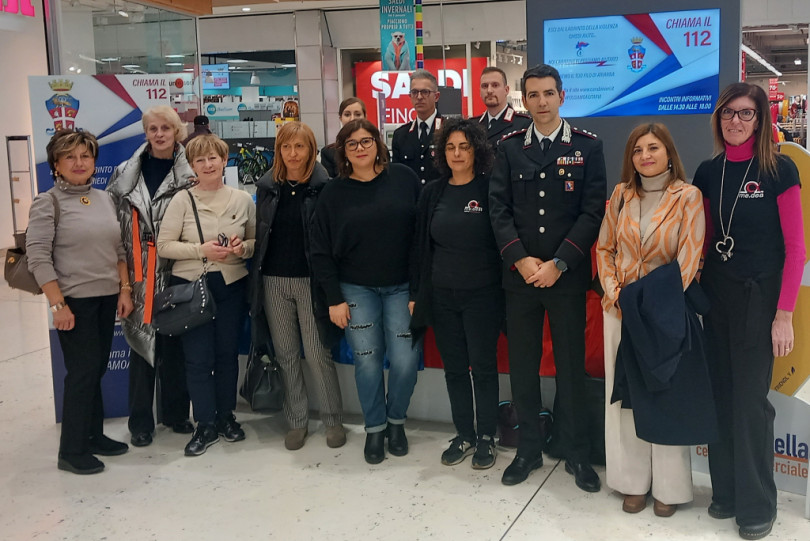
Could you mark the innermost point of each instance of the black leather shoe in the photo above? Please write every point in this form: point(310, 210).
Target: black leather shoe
point(204, 437)
point(721, 510)
point(104, 446)
point(141, 439)
point(183, 427)
point(584, 476)
point(229, 429)
point(519, 470)
point(397, 442)
point(83, 464)
point(374, 450)
point(757, 531)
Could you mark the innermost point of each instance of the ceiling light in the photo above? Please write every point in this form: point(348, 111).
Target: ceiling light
point(798, 61)
point(753, 54)
point(254, 79)
point(123, 13)
point(111, 59)
point(174, 63)
point(191, 69)
point(131, 66)
point(288, 65)
point(72, 68)
point(246, 9)
point(236, 61)
point(175, 56)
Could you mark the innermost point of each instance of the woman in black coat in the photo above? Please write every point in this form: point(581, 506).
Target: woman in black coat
point(456, 286)
point(350, 109)
point(282, 298)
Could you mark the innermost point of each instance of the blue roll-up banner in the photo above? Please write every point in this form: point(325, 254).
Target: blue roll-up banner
point(397, 35)
point(110, 107)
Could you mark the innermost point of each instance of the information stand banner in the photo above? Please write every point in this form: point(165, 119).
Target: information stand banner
point(110, 107)
point(397, 35)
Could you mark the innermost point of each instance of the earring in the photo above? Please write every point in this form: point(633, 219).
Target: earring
point(347, 163)
point(378, 159)
point(669, 166)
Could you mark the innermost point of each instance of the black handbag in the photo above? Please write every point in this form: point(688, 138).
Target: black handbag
point(262, 387)
point(16, 270)
point(183, 307)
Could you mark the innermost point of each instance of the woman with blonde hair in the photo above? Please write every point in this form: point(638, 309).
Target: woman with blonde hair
point(227, 224)
point(141, 188)
point(283, 299)
point(654, 218)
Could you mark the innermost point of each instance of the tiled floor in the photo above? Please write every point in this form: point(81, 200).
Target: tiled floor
point(257, 490)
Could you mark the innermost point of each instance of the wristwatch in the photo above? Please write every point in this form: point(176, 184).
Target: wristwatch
point(562, 266)
point(58, 306)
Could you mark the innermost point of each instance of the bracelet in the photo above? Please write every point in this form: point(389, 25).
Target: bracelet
point(126, 286)
point(58, 306)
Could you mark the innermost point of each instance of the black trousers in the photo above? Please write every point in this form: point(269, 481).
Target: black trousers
point(173, 401)
point(740, 355)
point(467, 324)
point(86, 349)
point(525, 312)
point(212, 351)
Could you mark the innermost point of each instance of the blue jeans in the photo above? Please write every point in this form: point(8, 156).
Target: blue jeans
point(380, 324)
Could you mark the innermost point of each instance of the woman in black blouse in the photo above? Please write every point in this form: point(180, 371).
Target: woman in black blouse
point(455, 281)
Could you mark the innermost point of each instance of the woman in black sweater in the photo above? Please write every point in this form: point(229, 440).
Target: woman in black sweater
point(361, 238)
point(455, 281)
point(350, 109)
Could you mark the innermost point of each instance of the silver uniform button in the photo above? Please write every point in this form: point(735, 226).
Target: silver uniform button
point(542, 193)
point(542, 175)
point(423, 181)
point(422, 168)
point(542, 229)
point(542, 211)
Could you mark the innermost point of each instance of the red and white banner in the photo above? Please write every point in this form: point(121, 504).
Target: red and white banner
point(394, 86)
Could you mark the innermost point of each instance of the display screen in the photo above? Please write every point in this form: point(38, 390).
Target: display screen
point(642, 64)
point(216, 77)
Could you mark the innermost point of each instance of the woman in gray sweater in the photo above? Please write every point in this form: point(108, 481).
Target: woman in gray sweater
point(76, 255)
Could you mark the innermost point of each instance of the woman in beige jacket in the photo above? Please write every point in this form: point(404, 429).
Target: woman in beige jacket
point(228, 222)
point(653, 218)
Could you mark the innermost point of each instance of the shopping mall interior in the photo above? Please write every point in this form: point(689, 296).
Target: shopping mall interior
point(249, 66)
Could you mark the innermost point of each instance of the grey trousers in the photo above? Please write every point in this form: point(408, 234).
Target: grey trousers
point(288, 305)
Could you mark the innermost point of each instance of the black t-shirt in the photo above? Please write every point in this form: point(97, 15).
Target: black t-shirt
point(363, 231)
point(464, 252)
point(154, 172)
point(759, 247)
point(285, 249)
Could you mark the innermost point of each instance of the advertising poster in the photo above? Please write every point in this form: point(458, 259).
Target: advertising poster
point(371, 81)
point(110, 107)
point(397, 35)
point(642, 64)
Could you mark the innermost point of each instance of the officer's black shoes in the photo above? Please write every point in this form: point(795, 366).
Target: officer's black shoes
point(584, 476)
point(520, 468)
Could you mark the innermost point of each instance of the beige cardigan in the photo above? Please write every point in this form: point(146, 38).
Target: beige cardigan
point(227, 211)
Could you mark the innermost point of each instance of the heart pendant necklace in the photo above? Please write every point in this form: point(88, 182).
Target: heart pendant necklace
point(725, 247)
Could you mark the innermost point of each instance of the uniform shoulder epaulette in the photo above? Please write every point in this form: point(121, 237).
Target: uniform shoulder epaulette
point(514, 133)
point(586, 133)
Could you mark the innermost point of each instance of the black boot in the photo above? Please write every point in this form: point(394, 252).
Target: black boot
point(397, 442)
point(374, 450)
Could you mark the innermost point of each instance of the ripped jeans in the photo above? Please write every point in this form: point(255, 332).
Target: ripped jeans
point(380, 323)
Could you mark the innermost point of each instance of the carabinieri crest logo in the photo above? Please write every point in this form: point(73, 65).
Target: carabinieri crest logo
point(636, 53)
point(62, 107)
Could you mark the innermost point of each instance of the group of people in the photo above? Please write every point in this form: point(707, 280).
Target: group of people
point(468, 226)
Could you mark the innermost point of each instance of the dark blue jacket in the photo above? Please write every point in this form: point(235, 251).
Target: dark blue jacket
point(661, 367)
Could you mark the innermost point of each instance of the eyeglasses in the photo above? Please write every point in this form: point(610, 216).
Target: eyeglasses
point(463, 147)
point(424, 93)
point(746, 115)
point(365, 143)
point(222, 238)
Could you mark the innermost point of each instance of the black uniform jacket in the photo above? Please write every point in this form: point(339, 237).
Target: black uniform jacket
point(550, 205)
point(510, 121)
point(267, 197)
point(329, 161)
point(407, 150)
point(661, 368)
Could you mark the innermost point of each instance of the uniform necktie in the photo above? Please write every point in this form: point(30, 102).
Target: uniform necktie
point(544, 144)
point(491, 121)
point(423, 137)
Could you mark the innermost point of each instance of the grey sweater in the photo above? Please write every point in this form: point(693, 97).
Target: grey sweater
point(83, 252)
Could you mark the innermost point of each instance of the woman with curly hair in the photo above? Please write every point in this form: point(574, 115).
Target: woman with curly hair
point(456, 286)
